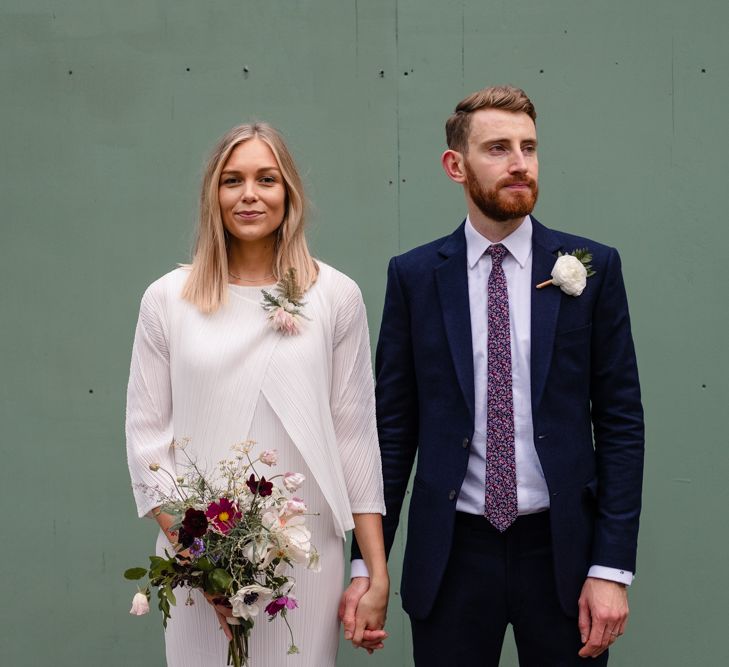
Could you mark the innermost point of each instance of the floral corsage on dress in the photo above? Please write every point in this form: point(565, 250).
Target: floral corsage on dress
point(285, 311)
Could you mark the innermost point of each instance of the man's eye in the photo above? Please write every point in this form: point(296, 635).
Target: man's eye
point(496, 148)
point(530, 149)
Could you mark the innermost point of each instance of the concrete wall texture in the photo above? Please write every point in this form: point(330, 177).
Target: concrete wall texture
point(107, 112)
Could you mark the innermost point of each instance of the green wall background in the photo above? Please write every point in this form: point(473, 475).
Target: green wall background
point(107, 111)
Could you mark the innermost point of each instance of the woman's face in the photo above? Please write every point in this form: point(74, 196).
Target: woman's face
point(251, 193)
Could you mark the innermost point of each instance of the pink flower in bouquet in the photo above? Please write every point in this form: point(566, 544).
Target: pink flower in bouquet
point(294, 506)
point(140, 605)
point(293, 480)
point(269, 457)
point(284, 602)
point(223, 514)
point(284, 322)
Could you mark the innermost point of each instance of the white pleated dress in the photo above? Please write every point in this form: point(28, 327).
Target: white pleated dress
point(216, 380)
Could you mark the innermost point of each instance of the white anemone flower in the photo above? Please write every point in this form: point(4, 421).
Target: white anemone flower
point(247, 602)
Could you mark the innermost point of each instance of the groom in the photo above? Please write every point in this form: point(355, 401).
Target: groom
point(521, 401)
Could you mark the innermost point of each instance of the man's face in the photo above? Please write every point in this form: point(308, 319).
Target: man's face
point(501, 166)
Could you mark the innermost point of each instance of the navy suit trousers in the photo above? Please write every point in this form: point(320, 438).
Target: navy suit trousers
point(492, 580)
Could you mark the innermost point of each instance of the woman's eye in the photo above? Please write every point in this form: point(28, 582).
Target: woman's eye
point(268, 179)
point(230, 180)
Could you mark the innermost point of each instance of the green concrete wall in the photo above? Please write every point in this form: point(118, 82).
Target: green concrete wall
point(107, 111)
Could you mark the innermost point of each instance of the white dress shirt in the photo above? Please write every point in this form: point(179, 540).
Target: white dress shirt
point(531, 487)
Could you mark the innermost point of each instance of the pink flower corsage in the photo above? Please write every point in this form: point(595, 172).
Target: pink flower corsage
point(285, 311)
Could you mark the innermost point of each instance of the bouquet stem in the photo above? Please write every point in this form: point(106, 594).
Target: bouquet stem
point(238, 646)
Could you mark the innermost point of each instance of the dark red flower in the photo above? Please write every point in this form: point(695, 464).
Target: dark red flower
point(223, 514)
point(263, 488)
point(184, 538)
point(195, 523)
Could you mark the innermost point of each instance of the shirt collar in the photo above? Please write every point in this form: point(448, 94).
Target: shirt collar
point(518, 243)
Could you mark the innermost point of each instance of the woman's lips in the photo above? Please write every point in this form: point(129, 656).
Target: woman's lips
point(248, 215)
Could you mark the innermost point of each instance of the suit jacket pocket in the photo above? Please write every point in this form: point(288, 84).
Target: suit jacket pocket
point(573, 336)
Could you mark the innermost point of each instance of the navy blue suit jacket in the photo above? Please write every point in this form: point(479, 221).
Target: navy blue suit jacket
point(586, 410)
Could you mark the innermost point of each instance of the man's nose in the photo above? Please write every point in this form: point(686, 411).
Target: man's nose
point(518, 163)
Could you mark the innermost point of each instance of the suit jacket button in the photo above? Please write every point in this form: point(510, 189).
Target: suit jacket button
point(451, 494)
point(465, 442)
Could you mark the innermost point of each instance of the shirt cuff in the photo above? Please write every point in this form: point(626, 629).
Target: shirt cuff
point(611, 574)
point(358, 568)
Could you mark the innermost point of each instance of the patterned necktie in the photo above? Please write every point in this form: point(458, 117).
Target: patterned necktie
point(501, 506)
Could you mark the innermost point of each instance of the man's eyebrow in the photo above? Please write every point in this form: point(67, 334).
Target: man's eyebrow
point(507, 140)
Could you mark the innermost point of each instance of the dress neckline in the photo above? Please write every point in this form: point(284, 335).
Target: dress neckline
point(251, 293)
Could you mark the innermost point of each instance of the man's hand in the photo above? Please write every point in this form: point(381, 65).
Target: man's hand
point(603, 615)
point(368, 639)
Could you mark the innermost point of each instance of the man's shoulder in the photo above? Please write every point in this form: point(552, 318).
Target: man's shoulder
point(569, 242)
point(428, 254)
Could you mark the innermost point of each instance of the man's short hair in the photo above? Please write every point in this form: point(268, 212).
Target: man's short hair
point(508, 98)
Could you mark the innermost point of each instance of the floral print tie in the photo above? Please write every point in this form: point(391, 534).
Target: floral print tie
point(501, 502)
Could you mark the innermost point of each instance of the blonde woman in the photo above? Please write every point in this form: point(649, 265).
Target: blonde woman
point(209, 366)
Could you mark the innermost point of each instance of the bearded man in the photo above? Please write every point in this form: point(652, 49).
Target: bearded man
point(519, 393)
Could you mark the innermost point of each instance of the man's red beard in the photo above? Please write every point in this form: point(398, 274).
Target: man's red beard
point(499, 204)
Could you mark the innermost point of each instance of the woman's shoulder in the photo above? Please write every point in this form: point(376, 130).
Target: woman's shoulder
point(171, 283)
point(167, 289)
point(336, 284)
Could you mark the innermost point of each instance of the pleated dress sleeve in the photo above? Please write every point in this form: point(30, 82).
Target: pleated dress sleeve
point(149, 430)
point(352, 402)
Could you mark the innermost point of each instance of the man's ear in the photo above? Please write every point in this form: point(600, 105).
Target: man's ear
point(452, 162)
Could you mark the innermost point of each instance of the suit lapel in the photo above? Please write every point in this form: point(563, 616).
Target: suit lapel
point(452, 281)
point(545, 307)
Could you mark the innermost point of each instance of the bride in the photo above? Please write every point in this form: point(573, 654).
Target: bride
point(210, 367)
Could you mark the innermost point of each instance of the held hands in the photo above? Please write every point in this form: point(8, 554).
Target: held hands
point(603, 615)
point(362, 612)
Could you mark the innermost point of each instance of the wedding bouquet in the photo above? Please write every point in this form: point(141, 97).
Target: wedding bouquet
point(238, 535)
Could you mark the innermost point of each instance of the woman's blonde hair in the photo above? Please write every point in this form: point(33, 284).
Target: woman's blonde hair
point(206, 286)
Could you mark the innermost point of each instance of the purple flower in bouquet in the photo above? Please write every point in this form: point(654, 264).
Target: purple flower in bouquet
point(195, 523)
point(223, 514)
point(197, 547)
point(263, 488)
point(284, 602)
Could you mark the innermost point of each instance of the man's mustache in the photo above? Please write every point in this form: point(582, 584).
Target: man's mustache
point(530, 182)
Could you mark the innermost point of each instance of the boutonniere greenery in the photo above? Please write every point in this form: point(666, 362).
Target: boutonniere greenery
point(571, 271)
point(285, 310)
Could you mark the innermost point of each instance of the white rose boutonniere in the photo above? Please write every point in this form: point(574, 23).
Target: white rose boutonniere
point(571, 271)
